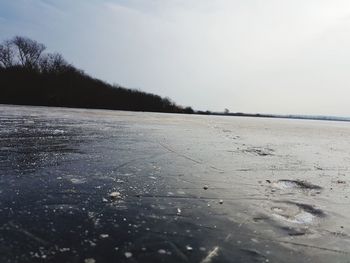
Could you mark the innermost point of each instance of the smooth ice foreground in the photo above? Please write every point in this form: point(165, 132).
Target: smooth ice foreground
point(107, 186)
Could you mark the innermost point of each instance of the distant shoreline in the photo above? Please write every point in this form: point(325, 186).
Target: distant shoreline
point(292, 116)
point(249, 115)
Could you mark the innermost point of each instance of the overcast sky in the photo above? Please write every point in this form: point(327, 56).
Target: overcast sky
point(268, 56)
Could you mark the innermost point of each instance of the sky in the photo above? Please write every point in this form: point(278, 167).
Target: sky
point(266, 56)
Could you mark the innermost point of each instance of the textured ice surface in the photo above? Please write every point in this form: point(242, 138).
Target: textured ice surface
point(108, 186)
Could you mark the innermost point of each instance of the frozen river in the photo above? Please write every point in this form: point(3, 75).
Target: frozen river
point(109, 186)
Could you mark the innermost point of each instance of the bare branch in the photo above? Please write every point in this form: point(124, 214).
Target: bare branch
point(53, 62)
point(29, 51)
point(6, 54)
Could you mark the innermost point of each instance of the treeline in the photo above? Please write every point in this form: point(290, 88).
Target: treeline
point(29, 76)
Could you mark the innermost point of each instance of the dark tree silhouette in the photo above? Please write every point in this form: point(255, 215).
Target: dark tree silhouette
point(28, 76)
point(53, 63)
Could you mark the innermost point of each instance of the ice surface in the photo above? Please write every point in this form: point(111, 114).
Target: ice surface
point(108, 186)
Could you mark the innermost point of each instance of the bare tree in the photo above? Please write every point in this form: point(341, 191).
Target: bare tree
point(28, 51)
point(6, 54)
point(53, 62)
